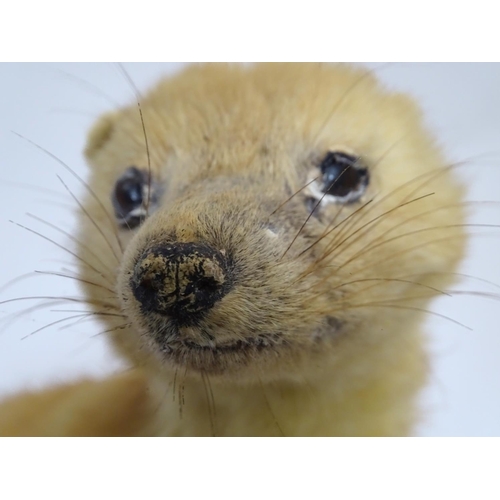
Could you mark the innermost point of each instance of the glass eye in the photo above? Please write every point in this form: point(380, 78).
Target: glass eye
point(128, 196)
point(343, 177)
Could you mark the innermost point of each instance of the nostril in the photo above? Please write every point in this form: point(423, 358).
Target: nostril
point(180, 280)
point(207, 285)
point(152, 283)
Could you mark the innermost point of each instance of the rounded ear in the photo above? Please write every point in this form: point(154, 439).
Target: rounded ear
point(99, 134)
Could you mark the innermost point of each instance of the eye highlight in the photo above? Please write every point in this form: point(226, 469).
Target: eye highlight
point(128, 194)
point(344, 179)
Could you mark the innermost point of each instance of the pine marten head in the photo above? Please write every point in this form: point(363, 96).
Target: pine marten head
point(266, 218)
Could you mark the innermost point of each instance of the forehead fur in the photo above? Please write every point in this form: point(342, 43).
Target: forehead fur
point(264, 119)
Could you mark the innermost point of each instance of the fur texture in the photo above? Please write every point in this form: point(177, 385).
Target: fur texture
point(319, 332)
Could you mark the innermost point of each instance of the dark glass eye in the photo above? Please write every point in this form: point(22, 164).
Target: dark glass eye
point(128, 196)
point(343, 176)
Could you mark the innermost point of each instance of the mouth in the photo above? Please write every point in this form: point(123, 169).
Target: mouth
point(197, 350)
point(261, 342)
point(220, 358)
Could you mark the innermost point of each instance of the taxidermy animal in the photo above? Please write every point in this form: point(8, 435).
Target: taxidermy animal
point(262, 243)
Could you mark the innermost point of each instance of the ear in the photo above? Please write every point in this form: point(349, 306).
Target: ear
point(100, 133)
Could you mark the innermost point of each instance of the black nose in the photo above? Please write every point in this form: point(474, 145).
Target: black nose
point(181, 280)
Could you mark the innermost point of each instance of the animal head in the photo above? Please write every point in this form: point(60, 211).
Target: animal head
point(262, 220)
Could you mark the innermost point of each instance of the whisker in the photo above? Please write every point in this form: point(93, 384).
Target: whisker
point(129, 80)
point(38, 189)
point(93, 313)
point(472, 293)
point(212, 399)
point(459, 274)
point(54, 323)
point(138, 97)
point(72, 238)
point(359, 80)
point(90, 317)
point(432, 211)
point(380, 281)
point(91, 219)
point(312, 211)
point(418, 231)
point(46, 297)
point(360, 218)
point(329, 251)
point(174, 384)
point(410, 308)
point(293, 195)
point(81, 280)
point(329, 231)
point(90, 87)
point(11, 318)
point(411, 249)
point(387, 152)
point(62, 248)
point(109, 330)
point(313, 265)
point(396, 280)
point(84, 184)
point(423, 176)
point(17, 280)
point(182, 388)
point(149, 157)
point(69, 208)
point(209, 406)
point(275, 420)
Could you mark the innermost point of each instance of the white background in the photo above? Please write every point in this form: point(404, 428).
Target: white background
point(54, 104)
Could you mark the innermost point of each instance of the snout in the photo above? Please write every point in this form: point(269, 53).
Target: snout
point(181, 280)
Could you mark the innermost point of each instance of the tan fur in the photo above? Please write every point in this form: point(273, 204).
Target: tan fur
point(115, 407)
point(230, 145)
